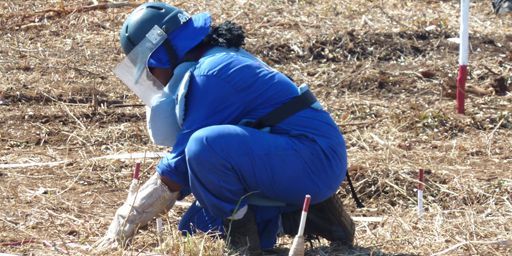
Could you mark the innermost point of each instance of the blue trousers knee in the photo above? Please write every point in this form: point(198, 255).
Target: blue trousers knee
point(228, 162)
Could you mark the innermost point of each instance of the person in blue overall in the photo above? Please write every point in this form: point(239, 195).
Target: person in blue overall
point(202, 92)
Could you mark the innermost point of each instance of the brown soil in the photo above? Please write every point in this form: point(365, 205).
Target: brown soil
point(385, 70)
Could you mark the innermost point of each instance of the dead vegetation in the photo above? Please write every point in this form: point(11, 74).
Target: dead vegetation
point(385, 69)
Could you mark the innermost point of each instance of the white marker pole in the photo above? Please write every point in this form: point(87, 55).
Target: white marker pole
point(297, 248)
point(421, 187)
point(463, 55)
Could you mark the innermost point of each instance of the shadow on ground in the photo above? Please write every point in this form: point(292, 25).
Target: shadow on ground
point(325, 250)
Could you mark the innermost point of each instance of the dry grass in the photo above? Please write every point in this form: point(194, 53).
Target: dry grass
point(387, 81)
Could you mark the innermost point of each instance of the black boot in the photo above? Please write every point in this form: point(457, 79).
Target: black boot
point(242, 235)
point(327, 219)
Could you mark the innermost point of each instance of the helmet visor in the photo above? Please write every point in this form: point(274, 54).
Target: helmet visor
point(133, 69)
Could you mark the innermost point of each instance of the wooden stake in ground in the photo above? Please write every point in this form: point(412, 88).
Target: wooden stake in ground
point(297, 248)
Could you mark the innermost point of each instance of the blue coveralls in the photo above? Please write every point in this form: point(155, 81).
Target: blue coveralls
point(220, 161)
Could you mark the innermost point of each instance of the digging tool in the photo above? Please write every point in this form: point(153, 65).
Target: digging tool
point(297, 248)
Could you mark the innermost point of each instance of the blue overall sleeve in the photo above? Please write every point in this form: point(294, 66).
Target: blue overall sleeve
point(208, 103)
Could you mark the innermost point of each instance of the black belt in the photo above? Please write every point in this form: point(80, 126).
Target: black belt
point(293, 106)
point(296, 104)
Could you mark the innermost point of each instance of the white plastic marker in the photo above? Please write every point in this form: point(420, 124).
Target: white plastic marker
point(421, 187)
point(463, 55)
point(297, 248)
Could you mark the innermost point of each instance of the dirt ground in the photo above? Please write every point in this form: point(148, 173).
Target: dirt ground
point(386, 71)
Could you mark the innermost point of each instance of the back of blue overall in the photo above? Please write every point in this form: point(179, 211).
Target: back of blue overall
point(221, 162)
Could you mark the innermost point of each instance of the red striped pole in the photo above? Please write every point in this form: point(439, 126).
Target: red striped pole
point(421, 179)
point(304, 215)
point(135, 180)
point(297, 248)
point(136, 171)
point(463, 55)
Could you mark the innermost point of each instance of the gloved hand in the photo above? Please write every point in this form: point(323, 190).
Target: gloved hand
point(152, 199)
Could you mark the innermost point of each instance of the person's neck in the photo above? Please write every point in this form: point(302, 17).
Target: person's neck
point(196, 53)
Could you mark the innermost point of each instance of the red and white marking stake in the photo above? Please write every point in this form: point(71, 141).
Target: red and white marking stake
point(135, 180)
point(463, 55)
point(304, 215)
point(421, 187)
point(297, 248)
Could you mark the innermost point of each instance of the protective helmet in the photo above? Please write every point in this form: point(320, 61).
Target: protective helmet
point(144, 18)
point(183, 31)
point(157, 35)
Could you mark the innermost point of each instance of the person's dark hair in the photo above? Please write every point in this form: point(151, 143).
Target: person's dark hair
point(227, 34)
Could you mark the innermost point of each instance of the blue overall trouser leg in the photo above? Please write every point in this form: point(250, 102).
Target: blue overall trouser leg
point(227, 162)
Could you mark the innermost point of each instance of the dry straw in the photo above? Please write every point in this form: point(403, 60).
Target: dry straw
point(384, 69)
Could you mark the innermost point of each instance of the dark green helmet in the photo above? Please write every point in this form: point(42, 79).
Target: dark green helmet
point(145, 17)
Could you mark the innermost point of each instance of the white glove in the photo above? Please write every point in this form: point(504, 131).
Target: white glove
point(153, 198)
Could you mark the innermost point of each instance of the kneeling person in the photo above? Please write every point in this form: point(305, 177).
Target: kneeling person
point(204, 93)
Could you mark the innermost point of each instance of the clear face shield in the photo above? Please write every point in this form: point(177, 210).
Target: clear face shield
point(134, 71)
